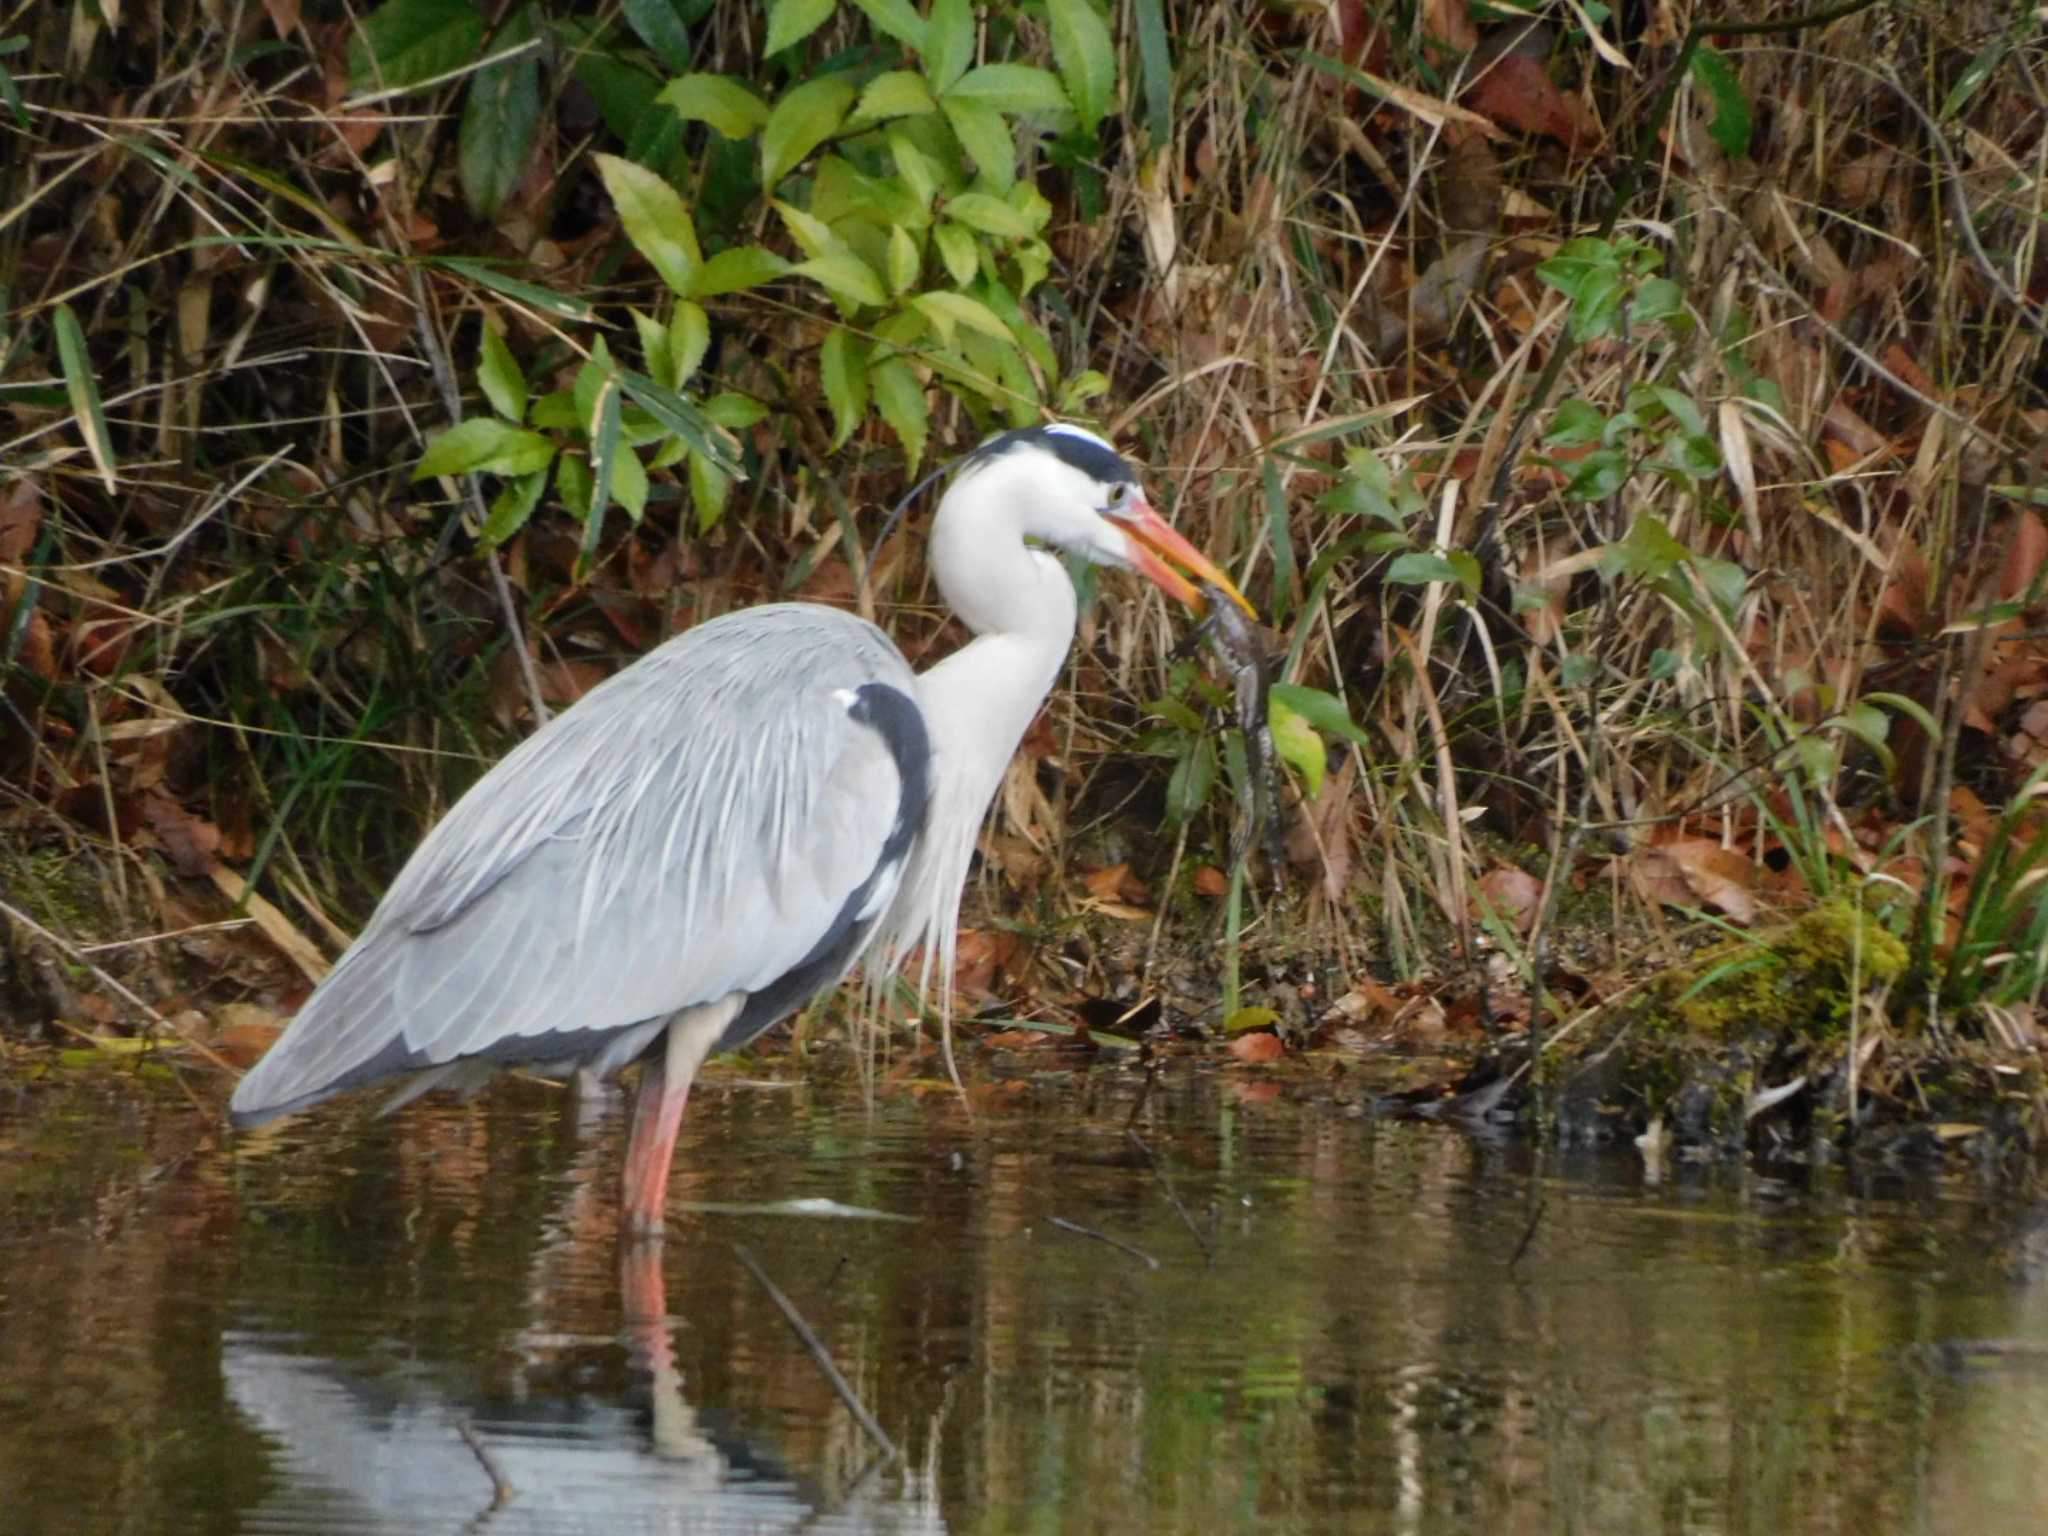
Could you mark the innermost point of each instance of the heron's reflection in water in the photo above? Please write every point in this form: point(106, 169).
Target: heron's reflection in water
point(386, 1443)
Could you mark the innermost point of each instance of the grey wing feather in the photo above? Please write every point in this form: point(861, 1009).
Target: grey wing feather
point(691, 828)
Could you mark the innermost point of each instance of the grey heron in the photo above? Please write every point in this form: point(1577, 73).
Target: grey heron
point(717, 833)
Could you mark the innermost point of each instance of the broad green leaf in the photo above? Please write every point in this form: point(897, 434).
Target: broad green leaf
point(1245, 1020)
point(1012, 88)
point(985, 134)
point(554, 411)
point(900, 398)
point(1418, 570)
point(407, 41)
point(710, 486)
point(914, 168)
point(1187, 788)
point(1648, 550)
point(899, 93)
point(1087, 58)
point(657, 25)
point(82, 387)
point(689, 336)
point(948, 43)
point(1034, 260)
point(1155, 65)
point(802, 120)
point(485, 443)
point(1726, 582)
point(811, 233)
point(572, 485)
point(1298, 745)
point(1575, 423)
point(1732, 124)
point(504, 385)
point(735, 270)
point(1658, 298)
point(719, 100)
point(845, 276)
point(735, 411)
point(1693, 456)
point(495, 145)
point(843, 369)
point(512, 507)
point(791, 21)
point(904, 260)
point(1866, 722)
point(1032, 204)
point(1598, 475)
point(946, 310)
point(1597, 305)
point(1681, 407)
point(656, 221)
point(1321, 709)
point(959, 250)
point(990, 215)
point(629, 483)
point(897, 19)
point(654, 349)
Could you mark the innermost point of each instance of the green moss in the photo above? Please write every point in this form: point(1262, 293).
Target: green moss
point(1800, 976)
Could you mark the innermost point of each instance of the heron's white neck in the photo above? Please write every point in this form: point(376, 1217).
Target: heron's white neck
point(979, 701)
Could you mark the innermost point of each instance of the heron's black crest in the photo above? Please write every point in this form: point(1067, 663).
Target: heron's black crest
point(1073, 446)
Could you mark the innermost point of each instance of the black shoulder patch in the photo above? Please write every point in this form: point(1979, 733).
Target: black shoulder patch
point(1082, 450)
point(894, 716)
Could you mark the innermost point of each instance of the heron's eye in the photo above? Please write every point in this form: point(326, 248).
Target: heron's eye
point(1118, 495)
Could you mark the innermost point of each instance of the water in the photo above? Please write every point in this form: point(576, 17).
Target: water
point(304, 1330)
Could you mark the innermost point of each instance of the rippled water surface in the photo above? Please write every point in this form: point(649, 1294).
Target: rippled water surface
point(422, 1323)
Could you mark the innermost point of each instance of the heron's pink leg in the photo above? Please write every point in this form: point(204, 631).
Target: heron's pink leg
point(657, 1117)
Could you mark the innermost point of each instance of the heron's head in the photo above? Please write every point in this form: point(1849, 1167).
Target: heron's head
point(1069, 488)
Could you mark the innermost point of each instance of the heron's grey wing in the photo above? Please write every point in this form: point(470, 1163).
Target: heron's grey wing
point(729, 814)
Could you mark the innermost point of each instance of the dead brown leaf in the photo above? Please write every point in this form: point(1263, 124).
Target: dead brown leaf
point(1257, 1048)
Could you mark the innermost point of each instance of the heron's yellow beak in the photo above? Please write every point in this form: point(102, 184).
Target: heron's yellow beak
point(1154, 541)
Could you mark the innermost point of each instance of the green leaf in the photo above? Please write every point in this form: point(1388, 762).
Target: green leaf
point(485, 443)
point(948, 43)
point(682, 417)
point(1321, 709)
point(897, 19)
point(689, 337)
point(1574, 424)
point(913, 168)
point(605, 451)
point(845, 276)
point(1732, 124)
point(408, 41)
point(900, 398)
point(904, 260)
point(719, 100)
point(1298, 745)
point(572, 485)
point(710, 487)
point(657, 25)
point(1187, 789)
point(843, 368)
point(504, 385)
point(1726, 582)
point(945, 310)
point(629, 483)
point(1648, 550)
point(1597, 305)
point(1598, 475)
point(1087, 59)
point(1693, 456)
point(1419, 570)
point(1913, 709)
point(959, 250)
point(791, 21)
point(544, 299)
point(82, 387)
point(1975, 73)
point(512, 507)
point(656, 221)
point(495, 145)
point(990, 215)
point(1155, 64)
point(985, 134)
point(1658, 298)
point(1245, 1020)
point(738, 269)
point(802, 120)
point(735, 411)
point(1011, 88)
point(811, 233)
point(899, 93)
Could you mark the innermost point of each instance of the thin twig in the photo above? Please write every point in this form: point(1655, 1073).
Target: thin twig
point(1528, 1233)
point(1103, 1237)
point(1173, 1196)
point(840, 1384)
point(502, 1491)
